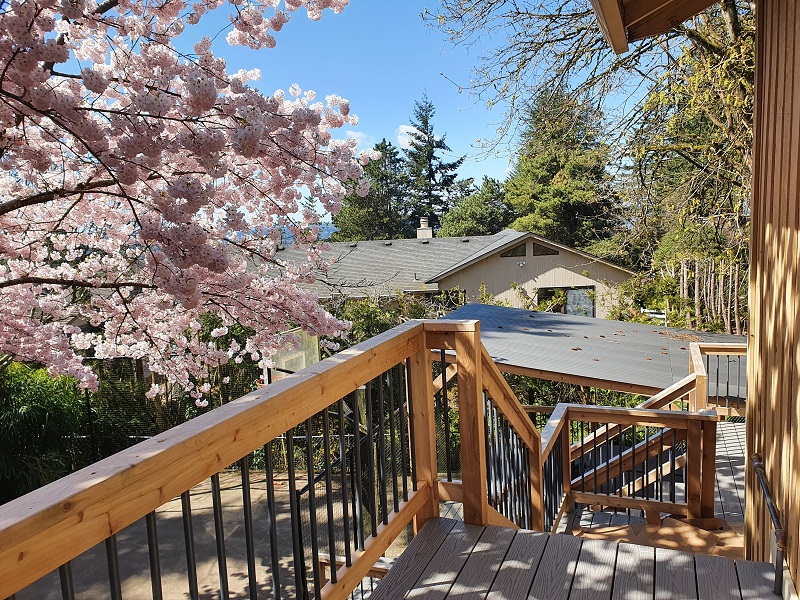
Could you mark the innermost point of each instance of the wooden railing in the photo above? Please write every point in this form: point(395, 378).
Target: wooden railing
point(630, 460)
point(358, 437)
point(722, 377)
point(358, 433)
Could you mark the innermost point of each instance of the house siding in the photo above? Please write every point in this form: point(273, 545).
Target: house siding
point(565, 270)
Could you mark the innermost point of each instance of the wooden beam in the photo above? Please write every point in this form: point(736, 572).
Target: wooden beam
point(378, 570)
point(499, 520)
point(669, 16)
point(347, 578)
point(609, 17)
point(472, 424)
point(444, 378)
point(636, 416)
point(552, 428)
point(723, 349)
point(57, 522)
point(424, 429)
point(450, 491)
point(627, 502)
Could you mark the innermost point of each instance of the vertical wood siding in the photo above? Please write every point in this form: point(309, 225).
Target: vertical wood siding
point(773, 410)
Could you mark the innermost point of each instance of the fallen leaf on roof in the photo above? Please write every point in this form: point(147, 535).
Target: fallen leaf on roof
point(648, 358)
point(596, 359)
point(525, 329)
point(576, 348)
point(586, 337)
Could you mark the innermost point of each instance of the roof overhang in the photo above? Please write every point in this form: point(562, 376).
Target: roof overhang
point(627, 21)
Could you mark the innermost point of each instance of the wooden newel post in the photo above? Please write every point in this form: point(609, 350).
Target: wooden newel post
point(709, 469)
point(422, 417)
point(473, 424)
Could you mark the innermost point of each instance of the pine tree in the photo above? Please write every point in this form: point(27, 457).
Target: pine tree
point(560, 188)
point(433, 181)
point(384, 213)
point(482, 213)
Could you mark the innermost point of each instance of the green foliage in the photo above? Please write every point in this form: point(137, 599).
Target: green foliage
point(42, 420)
point(433, 180)
point(560, 188)
point(484, 212)
point(384, 213)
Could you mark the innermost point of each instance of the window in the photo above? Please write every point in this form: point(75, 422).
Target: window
point(515, 251)
point(539, 250)
point(570, 301)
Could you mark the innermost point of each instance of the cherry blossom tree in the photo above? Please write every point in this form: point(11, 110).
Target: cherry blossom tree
point(142, 186)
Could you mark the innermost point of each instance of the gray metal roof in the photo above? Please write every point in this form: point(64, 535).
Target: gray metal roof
point(620, 355)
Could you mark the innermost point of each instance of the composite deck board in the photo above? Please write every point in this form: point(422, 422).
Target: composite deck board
point(675, 575)
point(755, 579)
point(448, 559)
point(478, 573)
point(633, 576)
point(439, 574)
point(716, 578)
point(556, 569)
point(409, 565)
point(521, 562)
point(594, 574)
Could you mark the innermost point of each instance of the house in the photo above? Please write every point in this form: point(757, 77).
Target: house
point(515, 267)
point(511, 475)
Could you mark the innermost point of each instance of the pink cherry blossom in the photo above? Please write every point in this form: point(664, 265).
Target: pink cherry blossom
point(141, 187)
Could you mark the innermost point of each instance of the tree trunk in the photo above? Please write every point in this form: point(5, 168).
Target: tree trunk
point(727, 313)
point(697, 292)
point(736, 319)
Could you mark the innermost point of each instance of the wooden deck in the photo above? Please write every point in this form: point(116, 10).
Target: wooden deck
point(451, 560)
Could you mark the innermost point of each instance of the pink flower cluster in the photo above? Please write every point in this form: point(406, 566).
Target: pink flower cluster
point(148, 187)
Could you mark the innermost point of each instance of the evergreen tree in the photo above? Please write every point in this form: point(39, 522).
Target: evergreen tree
point(560, 188)
point(384, 212)
point(482, 213)
point(433, 181)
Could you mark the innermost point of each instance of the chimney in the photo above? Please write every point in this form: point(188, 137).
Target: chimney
point(424, 232)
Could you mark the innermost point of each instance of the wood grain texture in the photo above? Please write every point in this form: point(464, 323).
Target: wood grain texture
point(716, 578)
point(519, 567)
point(674, 575)
point(59, 521)
point(424, 429)
point(441, 572)
point(484, 562)
point(556, 569)
point(755, 579)
point(633, 578)
point(409, 565)
point(594, 575)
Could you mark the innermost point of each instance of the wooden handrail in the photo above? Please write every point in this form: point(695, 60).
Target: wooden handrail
point(558, 419)
point(698, 399)
point(56, 523)
point(663, 398)
point(507, 402)
point(730, 349)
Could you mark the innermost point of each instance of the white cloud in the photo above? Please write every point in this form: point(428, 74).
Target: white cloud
point(365, 141)
point(403, 139)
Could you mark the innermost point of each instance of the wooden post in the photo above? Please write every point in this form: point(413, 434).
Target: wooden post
point(709, 470)
point(699, 398)
point(694, 458)
point(537, 493)
point(566, 455)
point(422, 416)
point(472, 423)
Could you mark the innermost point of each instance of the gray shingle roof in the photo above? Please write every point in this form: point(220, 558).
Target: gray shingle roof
point(383, 267)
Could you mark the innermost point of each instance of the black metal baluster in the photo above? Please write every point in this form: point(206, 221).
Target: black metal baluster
point(672, 466)
point(446, 407)
point(403, 426)
point(271, 515)
point(358, 480)
point(646, 474)
point(219, 533)
point(583, 461)
point(487, 436)
point(112, 557)
point(373, 496)
point(188, 538)
point(660, 467)
point(326, 453)
point(411, 446)
point(343, 467)
point(247, 511)
point(152, 551)
point(294, 514)
point(382, 474)
point(393, 440)
point(67, 585)
point(312, 509)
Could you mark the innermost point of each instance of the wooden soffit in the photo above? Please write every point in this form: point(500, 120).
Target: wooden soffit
point(627, 21)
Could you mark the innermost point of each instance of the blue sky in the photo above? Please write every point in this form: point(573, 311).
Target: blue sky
point(381, 56)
